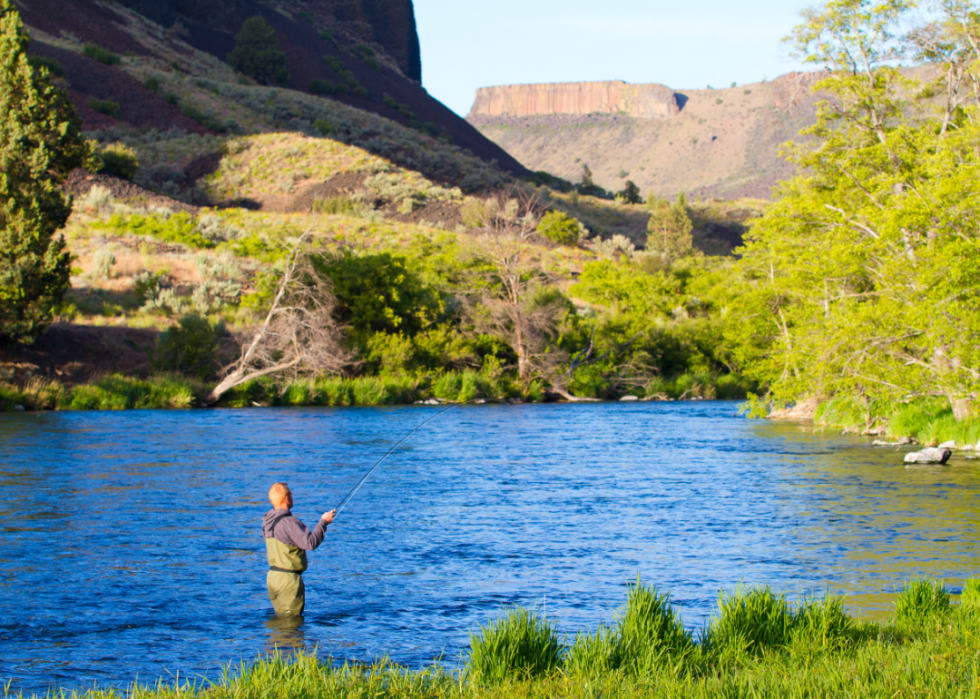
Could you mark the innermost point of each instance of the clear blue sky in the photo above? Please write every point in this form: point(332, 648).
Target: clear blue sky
point(687, 44)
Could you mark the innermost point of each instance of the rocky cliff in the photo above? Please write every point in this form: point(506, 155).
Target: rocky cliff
point(577, 99)
point(388, 23)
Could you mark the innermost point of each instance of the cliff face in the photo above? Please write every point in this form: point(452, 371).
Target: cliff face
point(389, 23)
point(577, 99)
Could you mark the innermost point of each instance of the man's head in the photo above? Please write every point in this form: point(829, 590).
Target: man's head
point(280, 497)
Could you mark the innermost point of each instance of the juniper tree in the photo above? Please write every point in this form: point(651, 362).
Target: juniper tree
point(257, 53)
point(669, 229)
point(40, 143)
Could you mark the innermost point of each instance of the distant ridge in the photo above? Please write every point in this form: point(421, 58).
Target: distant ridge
point(609, 97)
point(710, 142)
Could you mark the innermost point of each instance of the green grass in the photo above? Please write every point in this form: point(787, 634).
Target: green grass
point(175, 228)
point(124, 393)
point(929, 420)
point(814, 650)
point(749, 623)
point(114, 392)
point(520, 644)
point(921, 600)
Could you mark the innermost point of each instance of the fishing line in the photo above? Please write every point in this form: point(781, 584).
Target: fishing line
point(357, 486)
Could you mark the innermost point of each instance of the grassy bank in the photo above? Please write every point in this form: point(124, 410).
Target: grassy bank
point(756, 645)
point(167, 391)
point(928, 420)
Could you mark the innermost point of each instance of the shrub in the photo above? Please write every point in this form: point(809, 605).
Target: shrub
point(560, 228)
point(257, 53)
point(188, 348)
point(749, 622)
point(97, 199)
point(119, 160)
point(107, 107)
point(335, 206)
point(650, 633)
point(477, 213)
point(517, 646)
point(152, 83)
point(97, 53)
point(103, 263)
point(921, 599)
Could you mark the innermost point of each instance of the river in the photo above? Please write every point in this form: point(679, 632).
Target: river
point(130, 543)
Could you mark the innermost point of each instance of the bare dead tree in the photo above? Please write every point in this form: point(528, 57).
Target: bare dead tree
point(513, 303)
point(621, 375)
point(299, 336)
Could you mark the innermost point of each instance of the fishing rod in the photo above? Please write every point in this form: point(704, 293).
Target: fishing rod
point(357, 486)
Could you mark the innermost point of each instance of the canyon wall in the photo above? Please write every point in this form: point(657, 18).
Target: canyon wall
point(579, 99)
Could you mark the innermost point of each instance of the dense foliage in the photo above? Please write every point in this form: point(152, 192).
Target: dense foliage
point(862, 279)
point(40, 143)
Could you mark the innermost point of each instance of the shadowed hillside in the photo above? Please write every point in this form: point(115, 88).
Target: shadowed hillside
point(364, 59)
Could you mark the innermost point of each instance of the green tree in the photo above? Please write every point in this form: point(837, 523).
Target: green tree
point(863, 275)
point(257, 53)
point(669, 229)
point(40, 143)
point(631, 193)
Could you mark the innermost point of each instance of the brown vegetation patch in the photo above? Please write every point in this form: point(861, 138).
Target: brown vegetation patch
point(138, 105)
point(343, 184)
point(443, 212)
point(76, 354)
point(80, 181)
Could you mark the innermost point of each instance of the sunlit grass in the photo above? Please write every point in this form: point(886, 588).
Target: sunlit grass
point(757, 645)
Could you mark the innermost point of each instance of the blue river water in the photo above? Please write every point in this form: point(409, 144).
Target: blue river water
point(131, 548)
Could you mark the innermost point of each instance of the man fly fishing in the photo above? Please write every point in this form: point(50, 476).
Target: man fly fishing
point(286, 542)
point(287, 539)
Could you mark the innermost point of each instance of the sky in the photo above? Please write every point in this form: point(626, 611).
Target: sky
point(467, 44)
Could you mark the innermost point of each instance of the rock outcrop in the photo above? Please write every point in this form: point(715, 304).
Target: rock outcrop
point(651, 101)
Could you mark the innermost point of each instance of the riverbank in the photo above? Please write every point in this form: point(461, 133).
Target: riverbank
point(756, 645)
point(171, 391)
point(926, 420)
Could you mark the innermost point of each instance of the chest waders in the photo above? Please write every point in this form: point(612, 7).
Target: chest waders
point(285, 578)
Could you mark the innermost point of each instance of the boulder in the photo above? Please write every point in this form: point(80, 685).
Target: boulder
point(628, 399)
point(19, 408)
point(929, 455)
point(948, 445)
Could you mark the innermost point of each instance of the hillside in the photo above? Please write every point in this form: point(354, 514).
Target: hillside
point(716, 143)
point(329, 48)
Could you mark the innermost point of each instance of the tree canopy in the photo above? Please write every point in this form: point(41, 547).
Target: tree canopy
point(863, 278)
